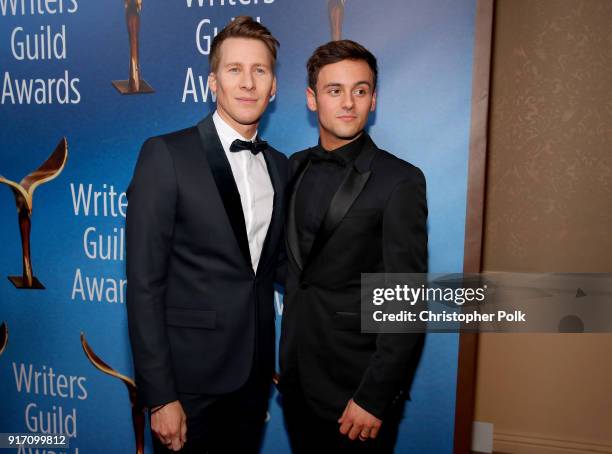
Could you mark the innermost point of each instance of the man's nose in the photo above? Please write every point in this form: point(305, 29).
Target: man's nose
point(247, 81)
point(348, 101)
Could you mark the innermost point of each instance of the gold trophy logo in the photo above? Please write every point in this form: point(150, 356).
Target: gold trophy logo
point(3, 337)
point(24, 192)
point(135, 84)
point(336, 17)
point(138, 416)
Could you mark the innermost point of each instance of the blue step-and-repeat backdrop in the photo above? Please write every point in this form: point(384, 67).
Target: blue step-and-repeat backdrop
point(58, 59)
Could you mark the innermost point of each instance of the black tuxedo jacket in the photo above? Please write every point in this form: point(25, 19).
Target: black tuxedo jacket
point(376, 223)
point(200, 320)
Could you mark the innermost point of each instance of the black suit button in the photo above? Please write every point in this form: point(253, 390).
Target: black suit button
point(304, 285)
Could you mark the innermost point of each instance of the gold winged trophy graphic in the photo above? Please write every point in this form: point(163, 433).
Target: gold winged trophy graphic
point(336, 16)
point(24, 193)
point(3, 337)
point(138, 415)
point(135, 84)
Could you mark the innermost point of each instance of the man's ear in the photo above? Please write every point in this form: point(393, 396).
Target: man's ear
point(373, 105)
point(273, 91)
point(212, 82)
point(311, 99)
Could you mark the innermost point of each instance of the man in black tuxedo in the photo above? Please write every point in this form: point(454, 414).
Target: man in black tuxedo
point(204, 236)
point(353, 208)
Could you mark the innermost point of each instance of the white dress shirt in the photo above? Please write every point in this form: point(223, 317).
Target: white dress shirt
point(254, 185)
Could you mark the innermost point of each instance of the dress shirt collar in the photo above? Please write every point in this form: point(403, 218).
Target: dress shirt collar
point(227, 134)
point(348, 152)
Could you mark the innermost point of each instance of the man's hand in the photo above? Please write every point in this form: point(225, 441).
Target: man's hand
point(169, 424)
point(356, 422)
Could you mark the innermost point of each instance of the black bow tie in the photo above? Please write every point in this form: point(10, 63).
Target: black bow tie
point(254, 147)
point(317, 154)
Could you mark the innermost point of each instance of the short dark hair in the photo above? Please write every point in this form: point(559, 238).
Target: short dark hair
point(242, 27)
point(335, 51)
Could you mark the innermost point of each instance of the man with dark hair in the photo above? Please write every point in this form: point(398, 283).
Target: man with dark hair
point(203, 243)
point(353, 208)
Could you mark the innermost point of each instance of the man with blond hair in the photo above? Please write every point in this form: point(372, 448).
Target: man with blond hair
point(203, 241)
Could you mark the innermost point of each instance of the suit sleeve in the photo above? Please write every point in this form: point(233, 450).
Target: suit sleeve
point(281, 261)
point(280, 276)
point(149, 227)
point(290, 167)
point(393, 365)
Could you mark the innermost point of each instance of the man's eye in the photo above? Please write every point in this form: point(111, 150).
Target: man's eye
point(260, 71)
point(233, 70)
point(334, 91)
point(361, 92)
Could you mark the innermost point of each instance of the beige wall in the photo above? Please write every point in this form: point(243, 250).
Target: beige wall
point(549, 208)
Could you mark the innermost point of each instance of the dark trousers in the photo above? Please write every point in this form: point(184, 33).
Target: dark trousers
point(309, 434)
point(227, 424)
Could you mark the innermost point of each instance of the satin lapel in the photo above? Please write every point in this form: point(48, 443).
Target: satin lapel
point(224, 179)
point(292, 235)
point(275, 220)
point(343, 199)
